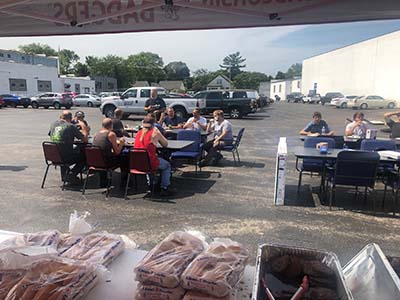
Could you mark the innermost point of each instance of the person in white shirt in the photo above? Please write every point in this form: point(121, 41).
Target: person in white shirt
point(358, 127)
point(196, 122)
point(223, 136)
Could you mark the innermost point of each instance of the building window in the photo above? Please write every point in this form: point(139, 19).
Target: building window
point(44, 86)
point(110, 85)
point(23, 57)
point(17, 85)
point(77, 88)
point(219, 81)
point(86, 90)
point(280, 88)
point(298, 84)
point(1, 54)
point(9, 55)
point(274, 88)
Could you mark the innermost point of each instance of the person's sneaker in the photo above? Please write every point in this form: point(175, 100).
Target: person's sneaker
point(203, 163)
point(165, 192)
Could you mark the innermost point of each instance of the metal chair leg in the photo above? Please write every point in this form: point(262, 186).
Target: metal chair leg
point(127, 185)
point(332, 195)
point(45, 175)
point(234, 157)
point(384, 196)
point(86, 180)
point(365, 195)
point(109, 179)
point(237, 153)
point(299, 184)
point(396, 197)
point(65, 178)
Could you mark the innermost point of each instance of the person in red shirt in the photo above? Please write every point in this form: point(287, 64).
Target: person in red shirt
point(148, 138)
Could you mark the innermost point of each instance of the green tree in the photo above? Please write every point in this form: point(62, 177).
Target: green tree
point(233, 63)
point(250, 80)
point(68, 59)
point(294, 71)
point(146, 66)
point(177, 70)
point(81, 70)
point(37, 48)
point(280, 75)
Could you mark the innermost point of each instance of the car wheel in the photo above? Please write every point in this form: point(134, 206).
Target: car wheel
point(364, 106)
point(343, 105)
point(234, 113)
point(90, 104)
point(35, 105)
point(109, 111)
point(391, 105)
point(46, 107)
point(57, 105)
point(180, 112)
point(13, 104)
point(26, 105)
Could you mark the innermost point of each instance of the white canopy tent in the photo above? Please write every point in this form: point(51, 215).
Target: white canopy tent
point(59, 17)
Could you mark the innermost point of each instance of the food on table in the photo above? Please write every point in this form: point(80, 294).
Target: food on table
point(165, 263)
point(8, 279)
point(43, 238)
point(218, 269)
point(100, 248)
point(54, 279)
point(153, 292)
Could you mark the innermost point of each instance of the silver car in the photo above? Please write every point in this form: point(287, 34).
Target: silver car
point(87, 100)
point(342, 102)
point(371, 101)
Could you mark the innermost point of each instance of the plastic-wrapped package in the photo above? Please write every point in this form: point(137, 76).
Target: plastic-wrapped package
point(165, 263)
point(49, 238)
point(99, 248)
point(193, 295)
point(153, 292)
point(218, 269)
point(54, 279)
point(8, 279)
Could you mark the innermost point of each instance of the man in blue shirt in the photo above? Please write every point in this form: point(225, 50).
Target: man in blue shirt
point(317, 127)
point(171, 120)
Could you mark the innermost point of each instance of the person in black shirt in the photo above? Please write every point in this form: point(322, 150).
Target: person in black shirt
point(64, 133)
point(155, 105)
point(171, 120)
point(117, 126)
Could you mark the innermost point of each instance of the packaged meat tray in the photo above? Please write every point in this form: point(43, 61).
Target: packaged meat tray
point(218, 269)
point(54, 279)
point(153, 292)
point(165, 263)
point(283, 269)
point(99, 248)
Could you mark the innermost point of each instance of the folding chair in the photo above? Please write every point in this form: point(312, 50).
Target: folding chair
point(95, 162)
point(235, 146)
point(191, 153)
point(139, 164)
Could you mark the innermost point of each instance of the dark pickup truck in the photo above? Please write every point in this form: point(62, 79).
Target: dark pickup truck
point(235, 104)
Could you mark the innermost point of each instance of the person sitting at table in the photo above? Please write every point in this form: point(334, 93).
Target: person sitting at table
point(117, 126)
point(358, 127)
point(106, 140)
point(148, 138)
point(171, 120)
point(222, 137)
point(317, 126)
point(63, 132)
point(390, 121)
point(80, 122)
point(197, 122)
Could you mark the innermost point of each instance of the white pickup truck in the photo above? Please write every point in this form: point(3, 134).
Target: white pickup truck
point(132, 101)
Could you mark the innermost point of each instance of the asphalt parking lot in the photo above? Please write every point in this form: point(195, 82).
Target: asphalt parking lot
point(223, 201)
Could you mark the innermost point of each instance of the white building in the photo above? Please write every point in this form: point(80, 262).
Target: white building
point(28, 75)
point(265, 88)
point(368, 67)
point(80, 85)
point(283, 87)
point(219, 83)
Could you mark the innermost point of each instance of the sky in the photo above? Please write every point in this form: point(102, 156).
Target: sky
point(267, 49)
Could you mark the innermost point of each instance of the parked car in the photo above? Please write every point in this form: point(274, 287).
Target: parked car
point(235, 103)
point(15, 100)
point(295, 97)
point(371, 101)
point(109, 94)
point(342, 101)
point(312, 98)
point(329, 96)
point(87, 100)
point(2, 103)
point(132, 101)
point(56, 100)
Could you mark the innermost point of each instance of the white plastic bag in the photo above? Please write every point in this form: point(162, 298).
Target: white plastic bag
point(78, 224)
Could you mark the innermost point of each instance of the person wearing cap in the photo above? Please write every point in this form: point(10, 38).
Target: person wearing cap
point(63, 132)
point(155, 104)
point(317, 127)
point(80, 122)
point(147, 138)
point(118, 127)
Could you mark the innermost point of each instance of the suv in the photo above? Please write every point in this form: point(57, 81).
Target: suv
point(15, 100)
point(235, 103)
point(55, 100)
point(132, 101)
point(294, 97)
point(329, 96)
